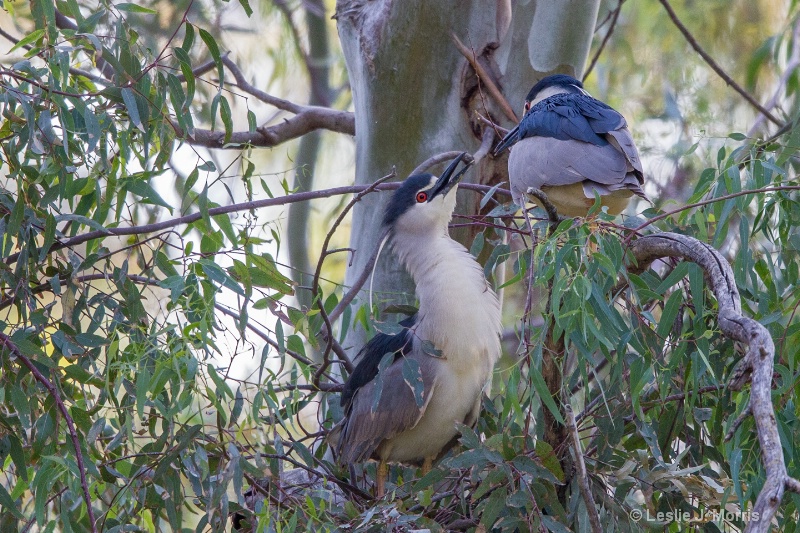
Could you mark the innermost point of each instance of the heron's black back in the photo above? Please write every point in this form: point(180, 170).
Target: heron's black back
point(370, 357)
point(571, 117)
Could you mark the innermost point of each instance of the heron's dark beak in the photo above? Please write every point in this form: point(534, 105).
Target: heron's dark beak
point(510, 138)
point(448, 179)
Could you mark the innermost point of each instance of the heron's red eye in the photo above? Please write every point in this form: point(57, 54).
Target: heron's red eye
point(527, 106)
point(422, 197)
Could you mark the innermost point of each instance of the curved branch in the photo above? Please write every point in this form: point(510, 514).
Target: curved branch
point(758, 359)
point(439, 158)
point(310, 119)
point(6, 342)
point(714, 66)
point(327, 331)
point(305, 120)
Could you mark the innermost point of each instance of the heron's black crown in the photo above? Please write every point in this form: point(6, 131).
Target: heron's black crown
point(405, 197)
point(568, 83)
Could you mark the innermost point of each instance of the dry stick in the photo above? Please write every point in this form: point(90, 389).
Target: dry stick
point(487, 140)
point(716, 68)
point(439, 158)
point(328, 330)
point(583, 476)
point(497, 127)
point(9, 344)
point(611, 27)
point(759, 358)
point(484, 77)
point(266, 338)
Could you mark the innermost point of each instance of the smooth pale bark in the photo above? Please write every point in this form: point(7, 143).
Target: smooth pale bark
point(415, 95)
point(308, 151)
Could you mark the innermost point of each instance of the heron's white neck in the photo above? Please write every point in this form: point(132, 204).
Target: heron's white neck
point(458, 310)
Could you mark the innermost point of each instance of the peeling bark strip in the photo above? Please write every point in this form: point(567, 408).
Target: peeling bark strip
point(758, 359)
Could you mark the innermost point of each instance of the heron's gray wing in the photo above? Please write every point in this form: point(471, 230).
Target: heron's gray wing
point(548, 162)
point(622, 140)
point(369, 423)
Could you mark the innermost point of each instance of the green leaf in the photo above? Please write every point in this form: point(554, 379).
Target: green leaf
point(216, 274)
point(32, 37)
point(668, 316)
point(494, 506)
point(252, 125)
point(15, 221)
point(9, 504)
point(135, 8)
point(213, 48)
point(544, 394)
point(413, 378)
point(246, 6)
point(142, 189)
point(227, 120)
point(133, 108)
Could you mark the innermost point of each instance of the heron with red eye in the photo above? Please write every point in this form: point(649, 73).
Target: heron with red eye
point(422, 197)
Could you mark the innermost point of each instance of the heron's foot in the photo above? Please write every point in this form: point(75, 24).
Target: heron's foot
point(544, 201)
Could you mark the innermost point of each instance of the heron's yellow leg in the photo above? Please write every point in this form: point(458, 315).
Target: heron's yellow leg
point(426, 465)
point(383, 471)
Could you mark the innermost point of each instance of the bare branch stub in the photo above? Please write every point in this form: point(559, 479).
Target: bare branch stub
point(759, 358)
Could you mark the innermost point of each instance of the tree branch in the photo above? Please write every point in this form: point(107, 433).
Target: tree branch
point(583, 475)
point(328, 330)
point(309, 119)
point(233, 208)
point(714, 66)
point(759, 357)
point(614, 15)
point(6, 342)
point(484, 78)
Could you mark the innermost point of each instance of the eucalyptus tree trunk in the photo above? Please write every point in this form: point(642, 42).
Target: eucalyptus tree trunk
point(415, 94)
point(308, 151)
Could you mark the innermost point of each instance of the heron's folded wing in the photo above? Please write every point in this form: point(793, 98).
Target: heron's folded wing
point(369, 423)
point(571, 117)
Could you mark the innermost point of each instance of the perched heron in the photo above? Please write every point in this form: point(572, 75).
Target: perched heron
point(572, 147)
point(449, 347)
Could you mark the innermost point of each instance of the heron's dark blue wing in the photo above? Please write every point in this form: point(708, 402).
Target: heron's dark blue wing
point(571, 117)
point(370, 357)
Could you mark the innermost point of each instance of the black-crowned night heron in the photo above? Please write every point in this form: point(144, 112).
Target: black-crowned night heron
point(449, 346)
point(572, 147)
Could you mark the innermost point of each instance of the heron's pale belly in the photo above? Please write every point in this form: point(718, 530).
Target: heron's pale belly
point(455, 401)
point(571, 201)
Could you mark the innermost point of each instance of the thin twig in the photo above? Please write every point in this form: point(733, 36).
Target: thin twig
point(358, 283)
point(714, 66)
point(10, 346)
point(583, 476)
point(266, 338)
point(635, 231)
point(328, 331)
point(614, 17)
